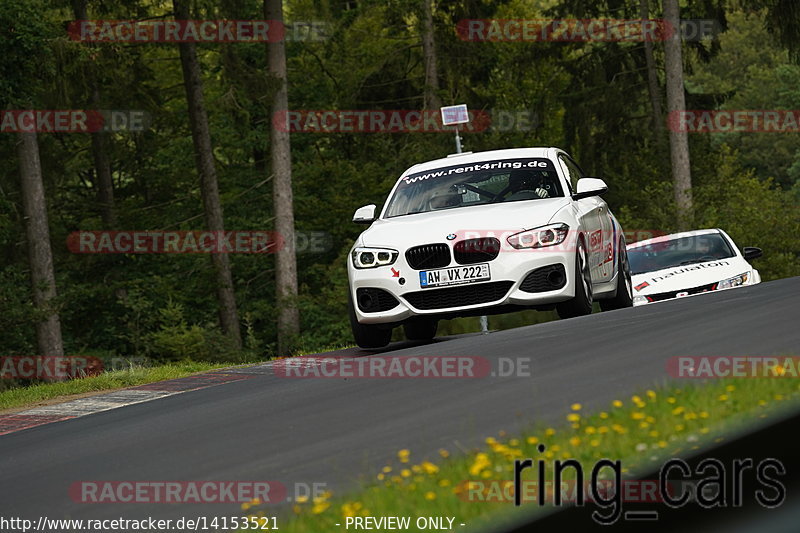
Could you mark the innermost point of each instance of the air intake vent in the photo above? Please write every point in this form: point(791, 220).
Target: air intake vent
point(472, 294)
point(375, 300)
point(428, 256)
point(674, 294)
point(549, 278)
point(474, 251)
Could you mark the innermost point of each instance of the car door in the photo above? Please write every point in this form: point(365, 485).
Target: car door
point(591, 211)
point(608, 261)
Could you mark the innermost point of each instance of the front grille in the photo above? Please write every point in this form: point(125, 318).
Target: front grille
point(428, 256)
point(472, 294)
point(548, 278)
point(674, 294)
point(372, 300)
point(473, 251)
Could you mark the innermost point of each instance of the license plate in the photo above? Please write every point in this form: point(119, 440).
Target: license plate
point(454, 275)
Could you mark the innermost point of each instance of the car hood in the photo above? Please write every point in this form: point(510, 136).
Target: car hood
point(688, 276)
point(496, 219)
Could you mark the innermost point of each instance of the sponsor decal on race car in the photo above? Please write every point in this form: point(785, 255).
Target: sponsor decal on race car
point(642, 285)
point(510, 164)
point(683, 270)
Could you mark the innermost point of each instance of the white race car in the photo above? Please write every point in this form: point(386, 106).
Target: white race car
point(689, 263)
point(484, 233)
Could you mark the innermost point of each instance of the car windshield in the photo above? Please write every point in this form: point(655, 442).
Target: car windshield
point(677, 252)
point(486, 182)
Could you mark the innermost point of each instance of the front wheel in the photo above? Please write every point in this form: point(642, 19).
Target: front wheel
point(624, 296)
point(367, 335)
point(421, 329)
point(581, 304)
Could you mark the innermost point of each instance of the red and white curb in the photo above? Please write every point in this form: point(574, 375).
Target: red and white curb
point(114, 400)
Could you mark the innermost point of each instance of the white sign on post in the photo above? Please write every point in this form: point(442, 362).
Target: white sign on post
point(455, 114)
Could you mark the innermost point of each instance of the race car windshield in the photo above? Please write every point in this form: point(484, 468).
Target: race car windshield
point(678, 252)
point(510, 180)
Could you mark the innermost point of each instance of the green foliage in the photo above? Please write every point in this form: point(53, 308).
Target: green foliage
point(752, 73)
point(17, 335)
point(754, 213)
point(589, 98)
point(176, 339)
point(25, 28)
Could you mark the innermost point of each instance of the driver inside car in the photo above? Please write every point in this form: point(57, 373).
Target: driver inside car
point(526, 187)
point(710, 248)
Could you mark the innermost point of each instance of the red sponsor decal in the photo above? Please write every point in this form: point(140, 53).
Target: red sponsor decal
point(595, 240)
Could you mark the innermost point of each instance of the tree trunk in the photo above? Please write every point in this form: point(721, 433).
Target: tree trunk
point(100, 142)
point(432, 100)
point(204, 158)
point(102, 171)
point(280, 153)
point(678, 140)
point(656, 107)
point(40, 255)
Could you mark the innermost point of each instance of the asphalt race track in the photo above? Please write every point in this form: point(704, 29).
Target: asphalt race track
point(333, 430)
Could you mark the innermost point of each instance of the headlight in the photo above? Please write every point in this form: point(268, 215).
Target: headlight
point(735, 281)
point(639, 300)
point(373, 257)
point(539, 237)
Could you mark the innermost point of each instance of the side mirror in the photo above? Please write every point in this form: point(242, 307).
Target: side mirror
point(364, 215)
point(589, 187)
point(751, 252)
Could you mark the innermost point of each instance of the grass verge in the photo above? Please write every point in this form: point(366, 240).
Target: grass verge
point(640, 431)
point(19, 397)
point(117, 379)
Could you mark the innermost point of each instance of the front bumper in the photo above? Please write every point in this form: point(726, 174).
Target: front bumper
point(505, 288)
point(646, 299)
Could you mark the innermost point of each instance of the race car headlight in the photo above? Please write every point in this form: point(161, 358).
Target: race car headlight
point(735, 281)
point(639, 300)
point(373, 257)
point(539, 237)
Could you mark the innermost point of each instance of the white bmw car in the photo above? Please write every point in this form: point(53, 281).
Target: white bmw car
point(689, 263)
point(484, 233)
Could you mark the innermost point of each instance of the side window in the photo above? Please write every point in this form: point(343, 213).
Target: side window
point(573, 172)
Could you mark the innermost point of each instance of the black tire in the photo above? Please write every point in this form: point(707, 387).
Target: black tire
point(421, 329)
point(367, 335)
point(581, 304)
point(624, 296)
